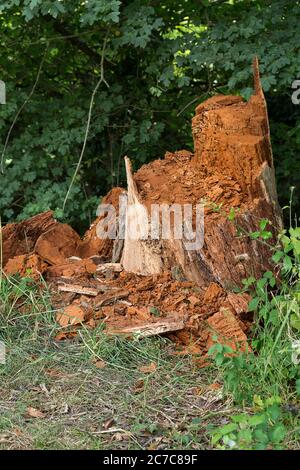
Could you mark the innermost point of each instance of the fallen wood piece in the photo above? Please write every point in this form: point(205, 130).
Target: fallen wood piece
point(26, 266)
point(150, 329)
point(71, 315)
point(20, 238)
point(78, 289)
point(115, 267)
point(102, 248)
point(112, 297)
point(105, 287)
point(57, 244)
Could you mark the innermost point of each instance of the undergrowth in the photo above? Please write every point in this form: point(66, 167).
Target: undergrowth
point(93, 393)
point(265, 381)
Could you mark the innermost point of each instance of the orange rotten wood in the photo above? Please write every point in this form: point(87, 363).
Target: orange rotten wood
point(161, 287)
point(231, 167)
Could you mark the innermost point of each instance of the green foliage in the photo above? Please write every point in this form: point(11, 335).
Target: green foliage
point(264, 429)
point(161, 58)
point(271, 367)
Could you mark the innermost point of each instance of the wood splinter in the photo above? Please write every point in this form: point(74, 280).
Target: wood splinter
point(77, 289)
point(150, 329)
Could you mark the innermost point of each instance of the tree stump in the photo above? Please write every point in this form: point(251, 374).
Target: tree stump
point(231, 169)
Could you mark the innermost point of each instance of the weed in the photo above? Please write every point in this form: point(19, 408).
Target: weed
point(271, 367)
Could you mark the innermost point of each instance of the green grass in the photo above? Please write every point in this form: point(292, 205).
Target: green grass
point(86, 407)
point(121, 407)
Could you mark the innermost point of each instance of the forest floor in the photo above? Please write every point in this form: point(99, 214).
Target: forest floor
point(98, 391)
point(95, 392)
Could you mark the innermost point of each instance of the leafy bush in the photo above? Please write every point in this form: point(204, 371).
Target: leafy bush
point(159, 62)
point(265, 429)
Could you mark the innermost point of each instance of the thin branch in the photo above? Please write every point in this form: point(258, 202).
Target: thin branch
point(101, 80)
point(54, 38)
point(73, 39)
point(21, 109)
point(190, 103)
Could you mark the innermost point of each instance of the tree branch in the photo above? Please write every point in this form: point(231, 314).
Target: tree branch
point(101, 80)
point(62, 29)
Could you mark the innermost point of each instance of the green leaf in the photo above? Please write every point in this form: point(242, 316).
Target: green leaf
point(278, 433)
point(287, 264)
point(263, 223)
point(155, 311)
point(255, 235)
point(296, 246)
point(253, 304)
point(295, 321)
point(228, 428)
point(231, 215)
point(277, 256)
point(255, 420)
point(241, 418)
point(261, 436)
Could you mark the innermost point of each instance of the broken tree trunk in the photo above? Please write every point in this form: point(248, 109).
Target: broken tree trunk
point(231, 168)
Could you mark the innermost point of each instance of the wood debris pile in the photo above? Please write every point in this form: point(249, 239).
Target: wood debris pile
point(147, 287)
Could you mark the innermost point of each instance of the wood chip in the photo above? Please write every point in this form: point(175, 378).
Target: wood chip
point(34, 413)
point(71, 315)
point(150, 329)
point(115, 267)
point(111, 297)
point(77, 289)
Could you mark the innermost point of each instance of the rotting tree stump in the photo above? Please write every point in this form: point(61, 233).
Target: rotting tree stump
point(231, 168)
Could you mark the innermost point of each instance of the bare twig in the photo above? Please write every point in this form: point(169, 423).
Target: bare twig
point(78, 289)
point(21, 108)
point(101, 80)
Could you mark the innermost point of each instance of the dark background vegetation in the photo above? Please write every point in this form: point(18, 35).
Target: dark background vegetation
point(161, 59)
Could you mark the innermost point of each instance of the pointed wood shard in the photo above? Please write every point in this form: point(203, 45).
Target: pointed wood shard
point(256, 77)
point(140, 255)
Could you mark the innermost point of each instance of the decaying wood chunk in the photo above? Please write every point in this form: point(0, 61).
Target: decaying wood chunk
point(105, 248)
point(111, 297)
point(77, 289)
point(57, 244)
point(150, 329)
point(139, 256)
point(26, 266)
point(114, 267)
point(20, 238)
point(226, 328)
